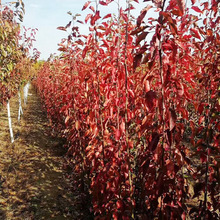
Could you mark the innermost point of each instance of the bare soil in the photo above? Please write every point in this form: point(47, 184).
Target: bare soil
point(33, 183)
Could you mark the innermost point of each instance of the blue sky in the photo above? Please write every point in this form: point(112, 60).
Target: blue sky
point(47, 15)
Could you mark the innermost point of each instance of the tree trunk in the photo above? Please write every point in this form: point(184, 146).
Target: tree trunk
point(9, 122)
point(20, 111)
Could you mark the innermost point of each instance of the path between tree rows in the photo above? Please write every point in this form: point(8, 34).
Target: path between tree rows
point(32, 181)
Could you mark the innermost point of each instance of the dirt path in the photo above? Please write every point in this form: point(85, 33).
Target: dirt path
point(32, 182)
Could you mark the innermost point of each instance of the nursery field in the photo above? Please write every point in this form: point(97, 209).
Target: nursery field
point(123, 124)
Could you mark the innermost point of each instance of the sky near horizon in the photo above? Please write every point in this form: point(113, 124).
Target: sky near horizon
point(47, 15)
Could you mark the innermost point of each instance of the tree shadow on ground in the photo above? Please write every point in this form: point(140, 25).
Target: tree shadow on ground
point(35, 185)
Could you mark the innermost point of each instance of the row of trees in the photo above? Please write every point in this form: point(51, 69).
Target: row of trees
point(141, 117)
point(15, 61)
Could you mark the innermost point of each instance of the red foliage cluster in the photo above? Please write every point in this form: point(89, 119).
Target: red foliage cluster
point(14, 50)
point(141, 116)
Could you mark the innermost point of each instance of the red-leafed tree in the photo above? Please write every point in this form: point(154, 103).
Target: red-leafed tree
point(140, 113)
point(15, 57)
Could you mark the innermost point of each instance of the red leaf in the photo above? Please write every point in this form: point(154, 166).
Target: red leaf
point(95, 18)
point(195, 33)
point(147, 85)
point(142, 15)
point(180, 89)
point(171, 22)
point(203, 157)
point(77, 125)
point(137, 61)
point(183, 216)
point(193, 2)
point(167, 16)
point(130, 8)
point(84, 52)
point(181, 4)
point(170, 169)
point(195, 8)
point(117, 134)
point(119, 204)
point(131, 93)
point(172, 119)
point(80, 42)
point(141, 37)
point(146, 58)
point(138, 30)
point(115, 216)
point(86, 5)
point(105, 43)
point(168, 72)
point(184, 113)
point(88, 17)
point(154, 142)
point(68, 25)
point(206, 5)
point(61, 28)
point(201, 119)
point(200, 108)
point(92, 8)
point(103, 3)
point(150, 97)
point(173, 28)
point(124, 16)
point(67, 119)
point(63, 49)
point(107, 16)
point(122, 127)
point(95, 130)
point(79, 22)
point(209, 32)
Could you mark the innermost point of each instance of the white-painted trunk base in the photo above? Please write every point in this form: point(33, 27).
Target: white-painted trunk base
point(20, 111)
point(10, 122)
point(26, 88)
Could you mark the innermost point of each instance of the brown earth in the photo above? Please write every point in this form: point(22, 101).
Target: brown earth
point(32, 178)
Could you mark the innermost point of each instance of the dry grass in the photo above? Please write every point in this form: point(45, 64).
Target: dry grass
point(33, 185)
